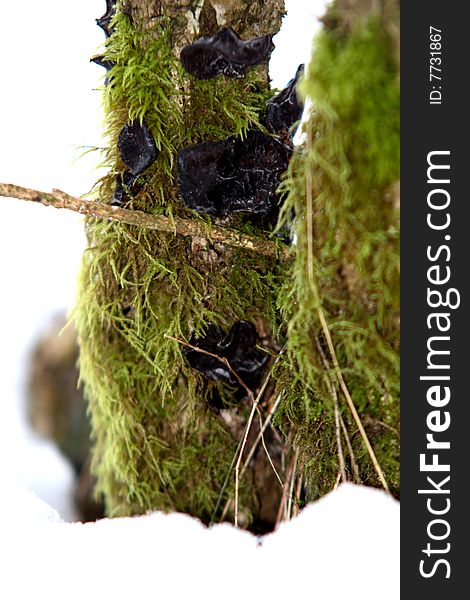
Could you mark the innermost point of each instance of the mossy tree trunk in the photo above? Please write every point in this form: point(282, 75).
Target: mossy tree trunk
point(157, 444)
point(333, 308)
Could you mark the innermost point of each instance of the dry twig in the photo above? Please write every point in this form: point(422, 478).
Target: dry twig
point(174, 225)
point(287, 499)
point(334, 395)
point(290, 497)
point(352, 456)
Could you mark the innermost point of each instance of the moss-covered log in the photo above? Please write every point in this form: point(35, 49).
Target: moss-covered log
point(157, 444)
point(342, 300)
point(144, 294)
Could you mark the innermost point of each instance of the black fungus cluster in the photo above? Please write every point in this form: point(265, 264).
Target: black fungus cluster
point(234, 176)
point(138, 152)
point(238, 347)
point(224, 54)
point(242, 176)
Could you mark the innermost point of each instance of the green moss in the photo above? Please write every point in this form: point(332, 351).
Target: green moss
point(157, 445)
point(352, 162)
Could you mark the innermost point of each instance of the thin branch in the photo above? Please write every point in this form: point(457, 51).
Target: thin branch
point(266, 449)
point(252, 449)
point(357, 476)
point(338, 479)
point(260, 434)
point(334, 395)
point(339, 419)
point(342, 466)
point(224, 486)
point(175, 225)
point(298, 491)
point(350, 402)
point(287, 491)
point(245, 437)
point(290, 498)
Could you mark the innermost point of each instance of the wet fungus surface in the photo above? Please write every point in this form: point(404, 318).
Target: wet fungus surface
point(137, 147)
point(126, 185)
point(101, 61)
point(286, 108)
point(225, 53)
point(138, 151)
point(105, 20)
point(238, 347)
point(234, 176)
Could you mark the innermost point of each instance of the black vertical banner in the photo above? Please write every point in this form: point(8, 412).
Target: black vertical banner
point(435, 325)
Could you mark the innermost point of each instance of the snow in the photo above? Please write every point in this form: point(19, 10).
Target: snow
point(344, 544)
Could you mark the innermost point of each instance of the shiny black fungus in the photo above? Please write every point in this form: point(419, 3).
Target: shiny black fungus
point(285, 109)
point(225, 53)
point(234, 176)
point(102, 62)
point(137, 147)
point(138, 151)
point(104, 21)
point(238, 347)
point(126, 186)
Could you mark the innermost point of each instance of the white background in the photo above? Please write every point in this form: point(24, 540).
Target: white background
point(50, 112)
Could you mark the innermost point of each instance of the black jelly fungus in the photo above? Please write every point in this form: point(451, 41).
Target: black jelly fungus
point(238, 347)
point(225, 53)
point(105, 20)
point(125, 184)
point(285, 109)
point(103, 62)
point(234, 176)
point(137, 147)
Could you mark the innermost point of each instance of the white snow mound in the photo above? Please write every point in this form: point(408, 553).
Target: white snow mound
point(344, 546)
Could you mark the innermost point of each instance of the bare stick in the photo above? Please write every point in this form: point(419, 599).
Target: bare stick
point(266, 450)
point(282, 505)
point(342, 468)
point(174, 225)
point(285, 494)
point(334, 395)
point(338, 479)
point(245, 437)
point(298, 490)
point(291, 485)
point(224, 485)
point(260, 434)
point(252, 449)
point(339, 418)
point(357, 477)
point(350, 402)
